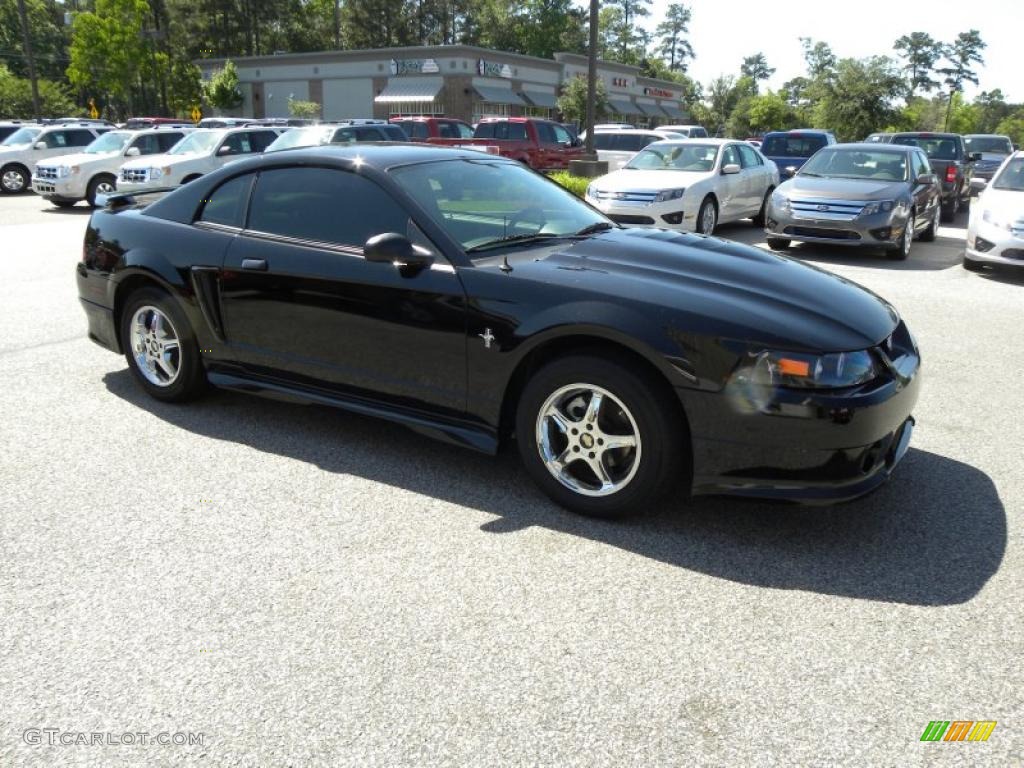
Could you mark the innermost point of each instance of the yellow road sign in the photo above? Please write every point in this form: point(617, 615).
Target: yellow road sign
point(197, 114)
point(93, 112)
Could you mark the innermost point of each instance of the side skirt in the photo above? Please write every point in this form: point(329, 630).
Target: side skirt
point(460, 434)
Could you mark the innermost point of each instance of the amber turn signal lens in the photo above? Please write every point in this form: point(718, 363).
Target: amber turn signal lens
point(789, 367)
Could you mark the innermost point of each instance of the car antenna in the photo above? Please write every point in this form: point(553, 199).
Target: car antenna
point(505, 266)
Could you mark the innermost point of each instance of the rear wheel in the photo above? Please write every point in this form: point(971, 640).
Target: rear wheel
point(778, 243)
point(759, 219)
point(160, 346)
point(14, 178)
point(707, 218)
point(104, 184)
point(591, 434)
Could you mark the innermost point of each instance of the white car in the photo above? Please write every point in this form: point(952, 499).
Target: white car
point(617, 146)
point(689, 131)
point(66, 179)
point(995, 230)
point(689, 185)
point(20, 151)
point(202, 151)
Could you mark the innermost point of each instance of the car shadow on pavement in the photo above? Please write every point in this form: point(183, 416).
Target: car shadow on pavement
point(75, 210)
point(934, 535)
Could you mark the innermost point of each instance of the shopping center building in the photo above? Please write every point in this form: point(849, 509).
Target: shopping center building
point(453, 80)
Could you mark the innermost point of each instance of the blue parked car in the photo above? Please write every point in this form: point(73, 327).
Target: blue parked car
point(791, 149)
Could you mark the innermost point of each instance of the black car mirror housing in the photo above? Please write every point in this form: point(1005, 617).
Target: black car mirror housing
point(926, 178)
point(393, 248)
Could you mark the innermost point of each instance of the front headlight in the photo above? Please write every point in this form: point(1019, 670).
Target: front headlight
point(63, 171)
point(591, 192)
point(995, 220)
point(879, 206)
point(155, 173)
point(770, 368)
point(780, 202)
point(668, 194)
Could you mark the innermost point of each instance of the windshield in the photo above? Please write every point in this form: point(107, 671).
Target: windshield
point(936, 147)
point(997, 145)
point(792, 146)
point(299, 137)
point(697, 158)
point(196, 143)
point(857, 164)
point(480, 202)
point(21, 136)
point(114, 141)
point(1012, 176)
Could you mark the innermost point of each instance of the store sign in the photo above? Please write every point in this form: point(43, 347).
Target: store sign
point(659, 92)
point(414, 67)
point(493, 69)
point(621, 82)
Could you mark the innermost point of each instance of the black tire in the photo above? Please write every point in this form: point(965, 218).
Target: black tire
point(902, 249)
point(193, 177)
point(950, 210)
point(701, 226)
point(191, 378)
point(63, 203)
point(661, 438)
point(14, 179)
point(759, 219)
point(973, 266)
point(778, 243)
point(929, 234)
point(104, 180)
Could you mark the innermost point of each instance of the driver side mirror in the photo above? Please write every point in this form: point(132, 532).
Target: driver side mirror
point(133, 152)
point(974, 157)
point(224, 150)
point(926, 178)
point(731, 168)
point(393, 248)
point(39, 145)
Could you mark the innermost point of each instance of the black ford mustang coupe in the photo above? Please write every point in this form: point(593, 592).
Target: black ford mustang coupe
point(471, 299)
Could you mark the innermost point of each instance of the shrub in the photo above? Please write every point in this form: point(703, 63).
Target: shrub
point(575, 184)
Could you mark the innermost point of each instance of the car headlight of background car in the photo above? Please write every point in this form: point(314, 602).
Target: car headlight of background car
point(780, 202)
point(880, 206)
point(156, 173)
point(63, 171)
point(591, 192)
point(668, 194)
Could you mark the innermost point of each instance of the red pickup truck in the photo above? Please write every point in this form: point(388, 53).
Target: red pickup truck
point(541, 144)
point(426, 128)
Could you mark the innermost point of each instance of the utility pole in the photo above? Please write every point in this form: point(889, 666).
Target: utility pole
point(337, 25)
point(29, 59)
point(591, 78)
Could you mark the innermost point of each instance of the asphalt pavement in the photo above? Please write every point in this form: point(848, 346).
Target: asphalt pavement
point(297, 586)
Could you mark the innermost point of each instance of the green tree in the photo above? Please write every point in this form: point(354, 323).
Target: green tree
point(673, 33)
point(222, 90)
point(859, 97)
point(627, 34)
point(1013, 126)
point(16, 97)
point(920, 51)
point(771, 112)
point(756, 68)
point(821, 62)
point(962, 54)
point(304, 109)
point(992, 109)
point(572, 103)
point(46, 33)
point(184, 87)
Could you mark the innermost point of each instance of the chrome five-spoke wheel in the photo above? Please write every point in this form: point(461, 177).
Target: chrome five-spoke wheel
point(588, 440)
point(155, 346)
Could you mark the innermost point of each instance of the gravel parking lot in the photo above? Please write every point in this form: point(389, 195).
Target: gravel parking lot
point(308, 587)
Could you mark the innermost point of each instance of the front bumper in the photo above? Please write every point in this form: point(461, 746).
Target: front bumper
point(812, 447)
point(672, 214)
point(142, 186)
point(67, 188)
point(994, 246)
point(877, 230)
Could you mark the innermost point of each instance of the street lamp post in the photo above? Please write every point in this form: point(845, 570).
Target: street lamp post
point(29, 59)
point(592, 79)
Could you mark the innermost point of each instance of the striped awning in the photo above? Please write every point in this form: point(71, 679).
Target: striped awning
point(650, 109)
point(401, 90)
point(673, 110)
point(540, 98)
point(495, 95)
point(624, 107)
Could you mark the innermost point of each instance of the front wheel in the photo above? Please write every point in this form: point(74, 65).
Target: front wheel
point(932, 231)
point(101, 185)
point(778, 243)
point(160, 346)
point(707, 218)
point(902, 249)
point(759, 219)
point(14, 179)
point(591, 434)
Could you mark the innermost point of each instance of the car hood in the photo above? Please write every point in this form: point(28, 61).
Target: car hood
point(715, 287)
point(77, 159)
point(626, 180)
point(159, 161)
point(843, 189)
point(1007, 203)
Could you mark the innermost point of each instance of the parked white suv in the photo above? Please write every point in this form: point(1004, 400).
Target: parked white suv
point(200, 152)
point(67, 179)
point(619, 145)
point(20, 151)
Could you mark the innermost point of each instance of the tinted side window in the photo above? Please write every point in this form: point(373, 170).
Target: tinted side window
point(55, 139)
point(368, 134)
point(748, 157)
point(465, 132)
point(394, 133)
point(484, 131)
point(343, 136)
point(698, 133)
point(518, 130)
point(420, 131)
point(261, 140)
point(405, 125)
point(226, 205)
point(603, 140)
point(446, 131)
point(922, 166)
point(561, 135)
point(81, 138)
point(168, 140)
point(147, 145)
point(545, 135)
point(324, 205)
point(730, 156)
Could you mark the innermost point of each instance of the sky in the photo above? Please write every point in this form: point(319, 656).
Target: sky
point(722, 32)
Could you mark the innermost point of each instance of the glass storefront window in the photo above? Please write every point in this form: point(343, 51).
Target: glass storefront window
point(416, 108)
point(490, 109)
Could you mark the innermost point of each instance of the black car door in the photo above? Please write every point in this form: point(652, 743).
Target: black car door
point(300, 302)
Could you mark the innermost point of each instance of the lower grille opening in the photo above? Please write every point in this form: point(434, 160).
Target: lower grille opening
point(830, 234)
point(982, 245)
point(622, 218)
point(673, 218)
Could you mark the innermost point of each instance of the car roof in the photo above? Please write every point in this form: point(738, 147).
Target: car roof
point(378, 154)
point(986, 136)
point(818, 131)
point(929, 134)
point(874, 146)
point(635, 131)
point(708, 140)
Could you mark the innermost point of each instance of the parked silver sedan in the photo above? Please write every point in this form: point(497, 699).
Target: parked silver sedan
point(876, 195)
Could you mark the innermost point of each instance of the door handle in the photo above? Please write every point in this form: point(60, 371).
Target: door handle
point(257, 265)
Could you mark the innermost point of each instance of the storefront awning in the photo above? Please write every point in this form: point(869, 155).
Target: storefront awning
point(401, 90)
point(540, 98)
point(673, 110)
point(624, 107)
point(650, 109)
point(498, 95)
